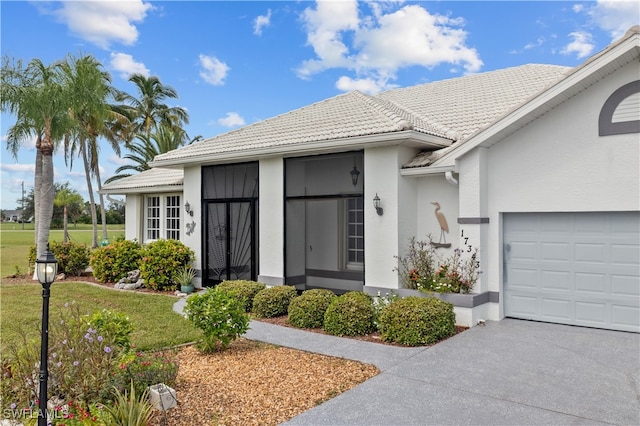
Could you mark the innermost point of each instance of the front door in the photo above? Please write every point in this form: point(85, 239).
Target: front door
point(230, 241)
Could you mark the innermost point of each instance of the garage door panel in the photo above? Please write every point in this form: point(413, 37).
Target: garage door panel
point(573, 268)
point(556, 280)
point(625, 285)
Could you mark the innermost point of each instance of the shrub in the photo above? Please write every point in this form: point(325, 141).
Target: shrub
point(220, 316)
point(131, 408)
point(160, 259)
point(307, 311)
point(114, 261)
point(80, 361)
point(351, 314)
point(144, 369)
point(73, 258)
point(114, 324)
point(273, 301)
point(417, 321)
point(243, 290)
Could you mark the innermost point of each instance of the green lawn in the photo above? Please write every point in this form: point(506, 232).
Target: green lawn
point(155, 324)
point(15, 242)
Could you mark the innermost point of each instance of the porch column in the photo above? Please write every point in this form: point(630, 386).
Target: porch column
point(271, 222)
point(473, 218)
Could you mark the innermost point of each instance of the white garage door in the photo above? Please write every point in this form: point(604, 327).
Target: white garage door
point(573, 268)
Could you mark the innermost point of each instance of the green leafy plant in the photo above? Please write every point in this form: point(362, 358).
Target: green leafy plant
point(184, 276)
point(73, 258)
point(351, 314)
point(273, 301)
point(116, 325)
point(307, 310)
point(114, 261)
point(415, 321)
point(81, 361)
point(129, 409)
point(244, 290)
point(221, 318)
point(159, 259)
point(144, 369)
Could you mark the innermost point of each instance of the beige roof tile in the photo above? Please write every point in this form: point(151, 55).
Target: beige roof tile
point(452, 109)
point(158, 178)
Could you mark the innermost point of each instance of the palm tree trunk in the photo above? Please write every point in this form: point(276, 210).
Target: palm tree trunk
point(92, 204)
point(65, 222)
point(37, 183)
point(45, 206)
point(103, 212)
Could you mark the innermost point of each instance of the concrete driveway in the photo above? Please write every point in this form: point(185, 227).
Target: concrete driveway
point(510, 372)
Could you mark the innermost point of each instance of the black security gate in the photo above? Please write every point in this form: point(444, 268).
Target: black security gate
point(230, 204)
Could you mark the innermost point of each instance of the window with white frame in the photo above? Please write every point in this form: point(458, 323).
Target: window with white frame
point(162, 217)
point(355, 233)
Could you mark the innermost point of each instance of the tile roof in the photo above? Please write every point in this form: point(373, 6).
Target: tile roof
point(453, 109)
point(158, 178)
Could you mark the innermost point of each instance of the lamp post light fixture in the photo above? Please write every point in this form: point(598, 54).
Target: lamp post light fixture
point(46, 270)
point(377, 205)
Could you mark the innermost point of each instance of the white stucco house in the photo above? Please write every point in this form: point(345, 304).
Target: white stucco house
point(536, 166)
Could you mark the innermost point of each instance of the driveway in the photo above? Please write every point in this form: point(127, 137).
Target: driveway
point(508, 372)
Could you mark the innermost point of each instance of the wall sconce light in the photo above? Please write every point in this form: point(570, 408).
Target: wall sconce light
point(354, 173)
point(376, 204)
point(187, 208)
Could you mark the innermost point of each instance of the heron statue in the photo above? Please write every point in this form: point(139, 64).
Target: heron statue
point(444, 227)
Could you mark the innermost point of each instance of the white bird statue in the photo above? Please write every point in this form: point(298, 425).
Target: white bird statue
point(444, 226)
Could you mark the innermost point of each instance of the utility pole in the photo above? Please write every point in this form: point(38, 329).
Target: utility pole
point(23, 218)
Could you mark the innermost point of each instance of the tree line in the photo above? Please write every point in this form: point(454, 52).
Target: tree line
point(71, 105)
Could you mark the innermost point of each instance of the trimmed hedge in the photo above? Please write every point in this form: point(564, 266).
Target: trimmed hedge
point(415, 321)
point(73, 258)
point(307, 311)
point(160, 259)
point(243, 290)
point(115, 261)
point(273, 301)
point(351, 314)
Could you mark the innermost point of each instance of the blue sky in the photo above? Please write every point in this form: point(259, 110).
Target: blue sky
point(237, 62)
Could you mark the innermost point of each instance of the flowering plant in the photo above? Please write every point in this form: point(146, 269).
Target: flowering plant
point(143, 369)
point(423, 270)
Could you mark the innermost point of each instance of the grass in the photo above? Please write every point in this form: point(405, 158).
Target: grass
point(155, 324)
point(15, 242)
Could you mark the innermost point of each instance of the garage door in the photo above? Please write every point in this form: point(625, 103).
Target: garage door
point(573, 268)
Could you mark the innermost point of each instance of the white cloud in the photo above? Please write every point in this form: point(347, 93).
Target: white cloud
point(18, 168)
point(104, 22)
point(118, 161)
point(213, 70)
point(366, 85)
point(260, 22)
point(232, 119)
point(616, 16)
point(582, 44)
point(126, 66)
point(376, 46)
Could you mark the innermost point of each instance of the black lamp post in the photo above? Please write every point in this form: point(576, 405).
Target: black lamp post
point(46, 270)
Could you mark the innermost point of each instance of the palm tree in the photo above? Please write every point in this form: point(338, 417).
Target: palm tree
point(67, 198)
point(145, 148)
point(148, 110)
point(38, 98)
point(91, 88)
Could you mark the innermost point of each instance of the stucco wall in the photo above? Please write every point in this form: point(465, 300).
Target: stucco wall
point(192, 194)
point(133, 217)
point(557, 163)
point(271, 221)
point(435, 188)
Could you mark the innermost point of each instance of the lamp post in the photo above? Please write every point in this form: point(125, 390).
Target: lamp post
point(46, 270)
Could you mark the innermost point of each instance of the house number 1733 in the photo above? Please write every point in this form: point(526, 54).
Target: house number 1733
point(468, 247)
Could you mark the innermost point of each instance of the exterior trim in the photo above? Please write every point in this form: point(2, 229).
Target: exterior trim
point(265, 279)
point(472, 220)
point(471, 300)
point(336, 275)
point(425, 171)
point(606, 126)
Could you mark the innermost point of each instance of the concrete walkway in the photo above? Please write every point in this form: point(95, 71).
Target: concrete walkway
point(504, 373)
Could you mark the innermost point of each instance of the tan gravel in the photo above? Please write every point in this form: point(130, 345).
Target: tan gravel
point(254, 383)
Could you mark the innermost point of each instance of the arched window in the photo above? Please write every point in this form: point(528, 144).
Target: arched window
point(620, 114)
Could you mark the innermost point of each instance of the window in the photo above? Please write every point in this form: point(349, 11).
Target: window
point(162, 217)
point(173, 217)
point(355, 233)
point(153, 218)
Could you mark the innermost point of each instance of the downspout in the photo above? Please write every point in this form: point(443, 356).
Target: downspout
point(449, 177)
